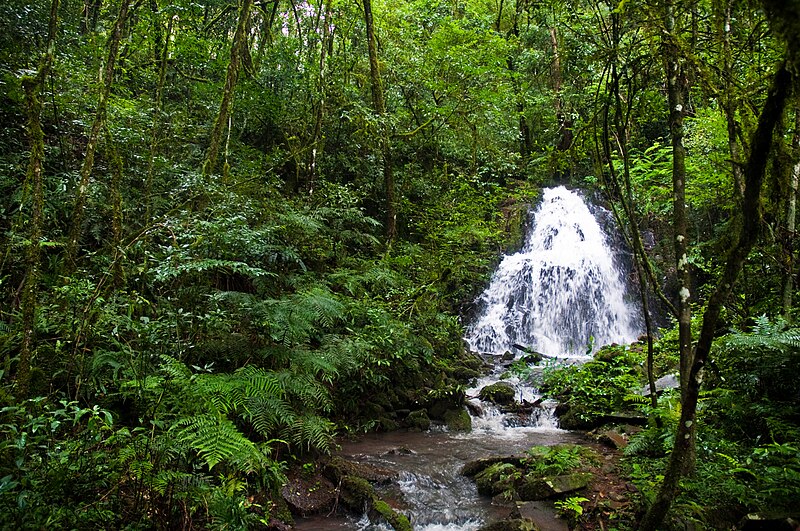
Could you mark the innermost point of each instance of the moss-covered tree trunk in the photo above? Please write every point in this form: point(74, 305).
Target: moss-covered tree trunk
point(675, 95)
point(379, 104)
point(161, 42)
point(82, 192)
point(225, 106)
point(790, 238)
point(35, 183)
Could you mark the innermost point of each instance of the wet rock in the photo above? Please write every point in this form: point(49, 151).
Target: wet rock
point(401, 450)
point(771, 522)
point(542, 514)
point(465, 374)
point(473, 468)
point(338, 468)
point(507, 498)
point(533, 488)
point(438, 407)
point(613, 439)
point(669, 381)
point(458, 420)
point(307, 496)
point(474, 408)
point(358, 493)
point(575, 418)
point(496, 478)
point(418, 420)
point(500, 393)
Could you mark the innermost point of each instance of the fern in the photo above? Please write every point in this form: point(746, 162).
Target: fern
point(311, 432)
point(217, 439)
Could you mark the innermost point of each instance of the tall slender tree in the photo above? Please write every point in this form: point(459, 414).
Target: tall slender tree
point(379, 104)
point(35, 183)
point(107, 79)
point(226, 105)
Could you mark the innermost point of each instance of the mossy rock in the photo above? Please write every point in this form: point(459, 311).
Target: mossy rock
point(397, 520)
point(308, 495)
point(337, 468)
point(499, 393)
point(439, 406)
point(465, 374)
point(458, 420)
point(473, 468)
point(358, 493)
point(575, 417)
point(418, 420)
point(496, 479)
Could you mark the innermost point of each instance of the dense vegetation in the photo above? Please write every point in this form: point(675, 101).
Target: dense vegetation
point(231, 231)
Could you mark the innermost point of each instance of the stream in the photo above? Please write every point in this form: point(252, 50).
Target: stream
point(564, 295)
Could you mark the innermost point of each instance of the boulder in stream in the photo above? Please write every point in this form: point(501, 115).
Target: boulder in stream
point(500, 393)
point(418, 420)
point(534, 488)
point(458, 420)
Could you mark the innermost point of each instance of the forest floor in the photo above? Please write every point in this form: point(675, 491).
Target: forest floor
point(612, 498)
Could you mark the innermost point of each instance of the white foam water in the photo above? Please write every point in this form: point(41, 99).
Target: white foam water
point(563, 294)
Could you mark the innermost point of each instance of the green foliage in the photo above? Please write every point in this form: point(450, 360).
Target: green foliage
point(598, 387)
point(659, 436)
point(557, 460)
point(571, 507)
point(56, 459)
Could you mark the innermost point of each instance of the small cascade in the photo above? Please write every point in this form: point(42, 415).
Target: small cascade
point(563, 294)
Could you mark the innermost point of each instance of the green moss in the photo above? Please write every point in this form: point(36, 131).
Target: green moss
point(397, 520)
point(458, 420)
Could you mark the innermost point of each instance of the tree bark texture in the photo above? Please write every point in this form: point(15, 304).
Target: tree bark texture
point(790, 237)
point(675, 91)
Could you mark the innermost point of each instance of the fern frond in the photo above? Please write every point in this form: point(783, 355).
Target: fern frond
point(269, 414)
point(311, 432)
point(323, 305)
point(175, 369)
point(166, 478)
point(216, 439)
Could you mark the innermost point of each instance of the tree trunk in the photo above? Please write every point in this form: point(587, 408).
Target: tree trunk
point(35, 180)
point(791, 219)
point(380, 109)
point(319, 111)
point(94, 135)
point(237, 50)
point(162, 56)
point(116, 210)
point(675, 91)
point(730, 100)
point(748, 232)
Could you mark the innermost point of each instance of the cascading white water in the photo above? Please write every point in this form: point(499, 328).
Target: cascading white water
point(562, 293)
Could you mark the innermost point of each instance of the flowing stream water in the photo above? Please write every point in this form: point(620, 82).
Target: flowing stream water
point(563, 295)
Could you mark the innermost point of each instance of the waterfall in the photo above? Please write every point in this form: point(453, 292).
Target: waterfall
point(563, 294)
point(563, 288)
